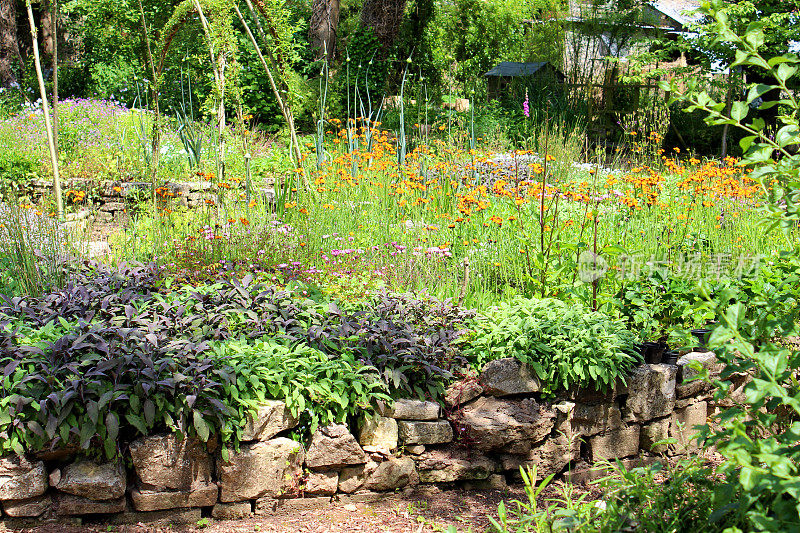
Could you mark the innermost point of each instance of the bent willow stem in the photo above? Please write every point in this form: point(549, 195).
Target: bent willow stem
point(46, 109)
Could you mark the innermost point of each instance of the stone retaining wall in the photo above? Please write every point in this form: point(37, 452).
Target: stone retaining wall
point(490, 426)
point(110, 199)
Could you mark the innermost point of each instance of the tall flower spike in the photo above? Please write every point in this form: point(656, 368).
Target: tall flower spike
point(525, 105)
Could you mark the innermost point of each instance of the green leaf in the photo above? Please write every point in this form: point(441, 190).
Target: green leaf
point(137, 422)
point(747, 142)
point(112, 426)
point(739, 111)
point(759, 90)
point(720, 336)
point(86, 434)
point(747, 478)
point(93, 411)
point(110, 448)
point(200, 426)
point(787, 135)
point(149, 412)
point(754, 35)
point(784, 72)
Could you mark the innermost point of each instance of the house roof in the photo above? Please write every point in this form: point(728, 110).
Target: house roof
point(511, 69)
point(680, 11)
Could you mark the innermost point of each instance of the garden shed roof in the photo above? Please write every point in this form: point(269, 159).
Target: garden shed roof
point(511, 69)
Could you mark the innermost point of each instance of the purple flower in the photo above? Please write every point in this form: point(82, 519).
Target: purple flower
point(526, 106)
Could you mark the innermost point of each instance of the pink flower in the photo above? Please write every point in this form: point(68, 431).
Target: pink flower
point(526, 106)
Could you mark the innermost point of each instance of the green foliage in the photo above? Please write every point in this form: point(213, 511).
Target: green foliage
point(82, 385)
point(479, 34)
point(11, 101)
point(699, 136)
point(17, 168)
point(317, 389)
point(567, 345)
point(108, 358)
point(759, 437)
point(41, 337)
point(33, 256)
point(110, 50)
point(778, 19)
point(684, 497)
point(564, 513)
point(662, 305)
point(659, 304)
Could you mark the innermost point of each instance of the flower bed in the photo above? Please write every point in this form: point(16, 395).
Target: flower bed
point(492, 425)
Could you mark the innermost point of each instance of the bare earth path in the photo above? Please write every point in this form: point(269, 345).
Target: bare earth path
point(418, 512)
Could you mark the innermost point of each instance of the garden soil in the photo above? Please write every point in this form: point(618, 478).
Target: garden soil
point(418, 512)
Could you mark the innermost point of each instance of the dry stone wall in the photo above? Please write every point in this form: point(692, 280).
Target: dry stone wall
point(489, 427)
point(109, 200)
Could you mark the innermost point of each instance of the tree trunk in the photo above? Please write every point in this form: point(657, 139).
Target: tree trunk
point(46, 24)
point(384, 18)
point(322, 28)
point(9, 45)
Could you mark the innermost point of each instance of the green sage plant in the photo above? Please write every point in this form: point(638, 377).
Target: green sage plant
point(566, 345)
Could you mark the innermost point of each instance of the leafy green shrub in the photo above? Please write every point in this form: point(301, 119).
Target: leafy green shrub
point(658, 498)
point(759, 436)
point(108, 358)
point(93, 385)
point(17, 169)
point(98, 384)
point(565, 344)
point(412, 342)
point(697, 134)
point(659, 303)
point(316, 388)
point(662, 305)
point(11, 102)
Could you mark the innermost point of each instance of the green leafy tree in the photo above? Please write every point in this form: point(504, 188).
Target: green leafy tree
point(759, 435)
point(780, 24)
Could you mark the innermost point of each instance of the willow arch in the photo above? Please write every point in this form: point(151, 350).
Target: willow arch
point(218, 30)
